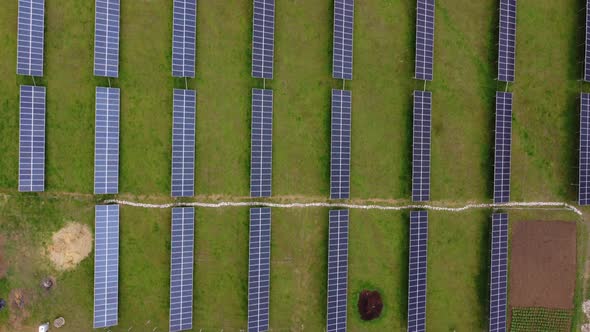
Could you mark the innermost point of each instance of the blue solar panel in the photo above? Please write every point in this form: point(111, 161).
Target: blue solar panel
point(106, 38)
point(421, 146)
point(263, 38)
point(106, 141)
point(183, 143)
point(337, 270)
point(31, 25)
point(259, 270)
point(181, 269)
point(507, 41)
point(340, 154)
point(417, 268)
point(184, 38)
point(261, 160)
point(343, 38)
point(424, 39)
point(31, 174)
point(584, 164)
point(503, 147)
point(106, 265)
point(499, 272)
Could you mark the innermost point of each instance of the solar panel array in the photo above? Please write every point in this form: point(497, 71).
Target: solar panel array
point(184, 38)
point(106, 265)
point(343, 37)
point(263, 38)
point(106, 38)
point(499, 272)
point(337, 270)
point(181, 269)
point(261, 160)
point(424, 39)
point(502, 150)
point(106, 141)
point(183, 143)
point(421, 146)
point(259, 270)
point(340, 154)
point(31, 171)
point(507, 42)
point(587, 48)
point(417, 268)
point(31, 25)
point(584, 176)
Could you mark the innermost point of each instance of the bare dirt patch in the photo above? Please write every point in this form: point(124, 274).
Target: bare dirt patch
point(18, 302)
point(70, 245)
point(370, 304)
point(3, 262)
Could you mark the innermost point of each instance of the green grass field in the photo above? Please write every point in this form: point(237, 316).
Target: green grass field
point(544, 156)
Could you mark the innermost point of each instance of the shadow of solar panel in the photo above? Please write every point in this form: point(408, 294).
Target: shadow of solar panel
point(263, 38)
point(424, 39)
point(337, 270)
point(343, 38)
point(421, 146)
point(584, 163)
point(31, 25)
point(183, 143)
point(507, 41)
point(499, 272)
point(259, 270)
point(31, 170)
point(106, 141)
point(417, 271)
point(181, 269)
point(502, 147)
point(340, 154)
point(106, 38)
point(106, 265)
point(184, 38)
point(261, 142)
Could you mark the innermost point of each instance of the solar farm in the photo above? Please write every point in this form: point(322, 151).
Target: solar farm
point(256, 165)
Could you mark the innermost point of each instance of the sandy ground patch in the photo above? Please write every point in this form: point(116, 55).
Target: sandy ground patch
point(70, 245)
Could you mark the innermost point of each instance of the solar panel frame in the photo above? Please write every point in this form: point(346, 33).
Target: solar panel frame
point(584, 156)
point(259, 269)
point(31, 170)
point(421, 146)
point(182, 268)
point(106, 38)
point(503, 142)
point(263, 28)
point(261, 143)
point(31, 35)
point(507, 41)
point(417, 271)
point(587, 46)
point(340, 144)
point(184, 38)
point(424, 61)
point(106, 141)
point(337, 270)
point(499, 272)
point(342, 48)
point(106, 266)
point(183, 143)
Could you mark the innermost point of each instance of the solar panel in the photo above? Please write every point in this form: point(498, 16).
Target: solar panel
point(259, 270)
point(184, 38)
point(106, 38)
point(507, 40)
point(502, 151)
point(343, 37)
point(424, 39)
point(263, 38)
point(499, 272)
point(587, 48)
point(106, 141)
point(261, 160)
point(584, 176)
point(337, 270)
point(340, 154)
point(181, 269)
point(417, 268)
point(421, 146)
point(31, 174)
point(183, 143)
point(31, 25)
point(106, 265)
